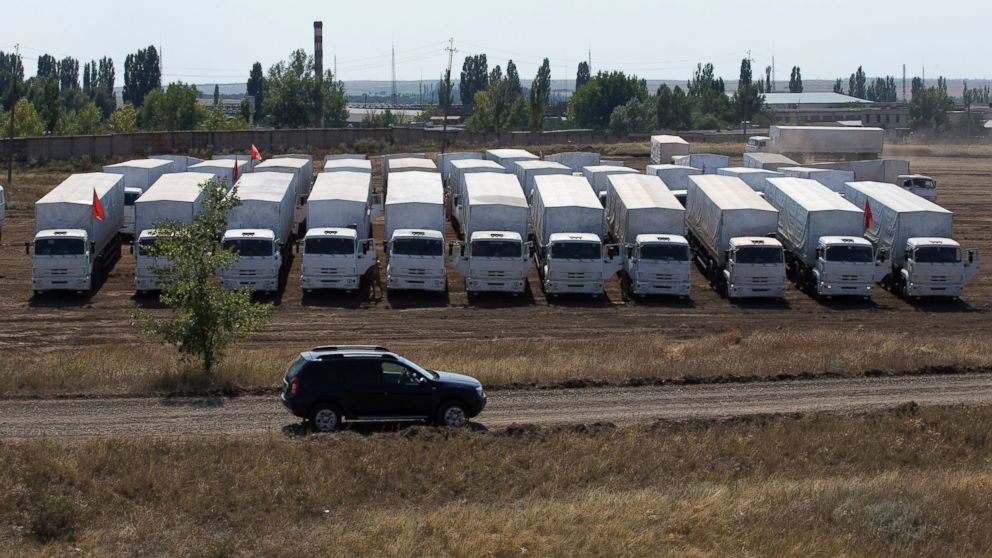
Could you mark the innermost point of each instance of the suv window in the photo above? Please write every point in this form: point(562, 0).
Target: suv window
point(396, 374)
point(352, 372)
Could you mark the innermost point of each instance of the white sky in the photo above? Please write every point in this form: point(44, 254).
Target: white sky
point(218, 40)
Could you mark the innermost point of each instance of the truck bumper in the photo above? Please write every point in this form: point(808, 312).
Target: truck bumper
point(925, 290)
point(580, 287)
point(339, 282)
point(486, 285)
point(649, 288)
point(845, 289)
point(143, 283)
point(755, 291)
point(259, 284)
point(61, 283)
point(404, 283)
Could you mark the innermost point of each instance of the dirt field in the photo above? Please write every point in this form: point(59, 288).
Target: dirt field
point(62, 322)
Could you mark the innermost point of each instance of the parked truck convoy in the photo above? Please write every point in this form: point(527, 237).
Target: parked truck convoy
point(495, 256)
point(139, 175)
point(259, 231)
point(415, 232)
point(302, 171)
point(925, 260)
point(644, 217)
point(567, 222)
point(76, 245)
point(174, 197)
point(338, 249)
point(731, 231)
point(826, 254)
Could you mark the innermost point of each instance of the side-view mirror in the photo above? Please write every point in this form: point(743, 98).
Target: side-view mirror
point(971, 256)
point(461, 250)
point(451, 248)
point(131, 248)
point(455, 199)
point(296, 246)
point(883, 255)
point(27, 248)
point(726, 255)
point(92, 247)
point(630, 251)
point(530, 249)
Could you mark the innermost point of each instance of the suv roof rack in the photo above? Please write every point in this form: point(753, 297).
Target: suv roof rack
point(374, 348)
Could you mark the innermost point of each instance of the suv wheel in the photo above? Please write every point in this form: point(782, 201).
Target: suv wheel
point(452, 414)
point(325, 418)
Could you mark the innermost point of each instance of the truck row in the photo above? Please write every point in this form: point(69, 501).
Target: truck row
point(581, 219)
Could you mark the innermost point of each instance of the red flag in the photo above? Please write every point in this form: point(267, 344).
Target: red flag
point(255, 155)
point(98, 213)
point(868, 218)
point(235, 168)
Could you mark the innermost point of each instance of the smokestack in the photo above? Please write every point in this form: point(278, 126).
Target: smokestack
point(318, 59)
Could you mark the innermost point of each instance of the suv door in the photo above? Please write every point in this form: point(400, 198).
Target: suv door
point(362, 391)
point(410, 393)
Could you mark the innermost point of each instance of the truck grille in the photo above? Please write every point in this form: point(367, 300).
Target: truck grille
point(938, 278)
point(495, 274)
point(759, 280)
point(576, 275)
point(246, 273)
point(415, 271)
point(330, 271)
point(59, 272)
point(664, 277)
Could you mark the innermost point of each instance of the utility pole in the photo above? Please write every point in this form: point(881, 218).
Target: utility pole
point(447, 93)
point(13, 98)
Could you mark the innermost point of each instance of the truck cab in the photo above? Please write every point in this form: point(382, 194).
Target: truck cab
point(757, 144)
point(259, 260)
point(847, 266)
point(755, 268)
point(62, 261)
point(578, 263)
point(335, 258)
point(492, 261)
point(922, 186)
point(658, 265)
point(416, 261)
point(145, 278)
point(934, 267)
point(131, 195)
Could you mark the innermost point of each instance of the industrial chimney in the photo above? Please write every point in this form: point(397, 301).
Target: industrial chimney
point(318, 59)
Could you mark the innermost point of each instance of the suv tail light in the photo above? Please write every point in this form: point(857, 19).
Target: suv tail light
point(294, 386)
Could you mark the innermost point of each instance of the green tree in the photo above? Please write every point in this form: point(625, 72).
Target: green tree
point(85, 121)
point(50, 107)
point(540, 93)
point(839, 86)
point(335, 102)
point(125, 120)
point(747, 100)
point(929, 105)
point(474, 78)
point(513, 80)
point(481, 119)
point(444, 90)
point(182, 112)
point(216, 94)
point(681, 112)
point(857, 84)
point(663, 106)
point(141, 75)
point(256, 84)
point(151, 115)
point(582, 76)
point(246, 108)
point(592, 104)
point(796, 80)
point(26, 120)
point(68, 74)
point(708, 94)
point(216, 119)
point(634, 116)
point(48, 66)
point(11, 78)
point(205, 317)
point(289, 91)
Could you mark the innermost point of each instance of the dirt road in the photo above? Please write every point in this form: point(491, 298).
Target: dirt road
point(265, 414)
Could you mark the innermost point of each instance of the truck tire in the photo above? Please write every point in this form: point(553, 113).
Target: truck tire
point(325, 418)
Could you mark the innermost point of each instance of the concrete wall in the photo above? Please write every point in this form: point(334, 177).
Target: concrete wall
point(142, 144)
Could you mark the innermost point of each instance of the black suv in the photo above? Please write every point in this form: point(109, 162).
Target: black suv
point(325, 384)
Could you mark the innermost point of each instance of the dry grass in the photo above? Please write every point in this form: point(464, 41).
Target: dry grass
point(501, 362)
point(939, 150)
point(908, 482)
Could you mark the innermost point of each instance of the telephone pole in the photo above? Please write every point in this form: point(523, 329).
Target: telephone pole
point(447, 93)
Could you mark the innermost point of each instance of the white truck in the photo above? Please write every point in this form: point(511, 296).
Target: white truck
point(826, 254)
point(527, 170)
point(139, 175)
point(222, 168)
point(73, 249)
point(575, 160)
point(819, 141)
point(415, 232)
point(918, 184)
point(831, 178)
point(598, 175)
point(663, 148)
point(706, 162)
point(444, 161)
point(567, 223)
point(455, 186)
point(180, 163)
point(348, 165)
point(757, 179)
point(757, 144)
point(302, 171)
point(495, 256)
point(406, 164)
point(338, 249)
point(507, 158)
point(644, 217)
point(675, 177)
point(731, 232)
point(917, 234)
point(174, 197)
point(259, 231)
point(768, 161)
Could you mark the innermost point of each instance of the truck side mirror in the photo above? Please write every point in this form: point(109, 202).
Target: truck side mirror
point(454, 200)
point(296, 246)
point(726, 255)
point(93, 247)
point(530, 249)
point(971, 256)
point(461, 250)
point(27, 248)
point(630, 251)
point(451, 248)
point(883, 255)
point(131, 248)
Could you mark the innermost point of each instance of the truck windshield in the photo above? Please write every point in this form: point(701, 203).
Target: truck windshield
point(495, 249)
point(59, 247)
point(853, 254)
point(937, 254)
point(922, 183)
point(576, 250)
point(759, 255)
point(145, 245)
point(329, 246)
point(418, 247)
point(665, 252)
point(249, 247)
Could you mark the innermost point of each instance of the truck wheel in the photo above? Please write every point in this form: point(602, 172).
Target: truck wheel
point(452, 414)
point(325, 418)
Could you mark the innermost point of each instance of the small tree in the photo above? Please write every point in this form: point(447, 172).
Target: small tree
point(206, 317)
point(796, 80)
point(124, 121)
